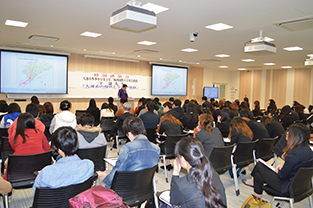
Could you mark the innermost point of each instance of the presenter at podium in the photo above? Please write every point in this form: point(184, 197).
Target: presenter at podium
point(122, 92)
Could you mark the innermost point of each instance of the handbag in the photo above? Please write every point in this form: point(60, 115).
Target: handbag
point(97, 197)
point(255, 202)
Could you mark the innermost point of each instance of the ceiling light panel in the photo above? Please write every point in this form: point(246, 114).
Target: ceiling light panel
point(222, 55)
point(15, 23)
point(242, 69)
point(90, 34)
point(286, 67)
point(269, 64)
point(247, 60)
point(310, 55)
point(145, 42)
point(219, 27)
point(154, 8)
point(293, 48)
point(189, 50)
point(223, 67)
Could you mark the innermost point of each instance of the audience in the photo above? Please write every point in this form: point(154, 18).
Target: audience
point(120, 110)
point(169, 125)
point(150, 119)
point(94, 111)
point(239, 131)
point(287, 117)
point(190, 120)
point(4, 108)
point(246, 100)
point(273, 126)
point(201, 187)
point(223, 122)
point(215, 110)
point(177, 107)
point(64, 117)
point(297, 154)
point(69, 169)
point(167, 109)
point(271, 105)
point(112, 106)
point(106, 111)
point(14, 111)
point(208, 135)
point(141, 105)
point(205, 102)
point(47, 117)
point(138, 154)
point(256, 111)
point(89, 135)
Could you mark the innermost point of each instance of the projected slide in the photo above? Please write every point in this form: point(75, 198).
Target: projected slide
point(210, 92)
point(168, 80)
point(33, 73)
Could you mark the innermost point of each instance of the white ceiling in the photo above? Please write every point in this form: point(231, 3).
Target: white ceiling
point(67, 19)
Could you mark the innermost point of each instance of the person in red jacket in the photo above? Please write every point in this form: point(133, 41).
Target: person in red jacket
point(27, 140)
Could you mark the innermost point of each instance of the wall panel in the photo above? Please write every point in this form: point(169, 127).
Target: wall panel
point(257, 82)
point(244, 85)
point(279, 87)
point(267, 87)
point(302, 86)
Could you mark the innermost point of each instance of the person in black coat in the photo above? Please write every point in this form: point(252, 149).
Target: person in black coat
point(287, 116)
point(150, 119)
point(190, 120)
point(47, 117)
point(239, 131)
point(202, 187)
point(215, 111)
point(223, 122)
point(94, 111)
point(273, 126)
point(112, 106)
point(209, 136)
point(177, 107)
point(167, 109)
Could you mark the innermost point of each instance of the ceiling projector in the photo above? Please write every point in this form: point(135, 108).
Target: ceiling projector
point(259, 46)
point(133, 18)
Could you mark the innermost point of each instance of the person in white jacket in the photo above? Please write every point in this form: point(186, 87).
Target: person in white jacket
point(63, 118)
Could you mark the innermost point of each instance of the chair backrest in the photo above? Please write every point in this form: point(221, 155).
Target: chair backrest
point(220, 158)
point(301, 184)
point(280, 145)
point(107, 123)
point(21, 168)
point(96, 155)
point(58, 197)
point(134, 186)
point(243, 154)
point(265, 150)
point(169, 145)
point(6, 150)
point(3, 132)
point(151, 134)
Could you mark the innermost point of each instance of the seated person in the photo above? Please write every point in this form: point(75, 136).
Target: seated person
point(273, 126)
point(239, 131)
point(94, 111)
point(4, 108)
point(63, 118)
point(167, 109)
point(139, 154)
point(121, 109)
point(223, 121)
point(88, 135)
point(69, 169)
point(202, 186)
point(150, 119)
point(13, 112)
point(297, 154)
point(106, 111)
point(209, 136)
point(190, 120)
point(46, 117)
point(177, 107)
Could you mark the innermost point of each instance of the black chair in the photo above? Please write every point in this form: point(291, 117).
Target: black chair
point(96, 155)
point(265, 151)
point(220, 158)
point(58, 197)
point(300, 188)
point(278, 148)
point(6, 150)
point(242, 157)
point(79, 113)
point(152, 135)
point(120, 135)
point(106, 124)
point(168, 148)
point(135, 186)
point(21, 168)
point(3, 133)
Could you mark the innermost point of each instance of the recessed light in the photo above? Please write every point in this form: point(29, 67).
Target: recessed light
point(219, 27)
point(224, 67)
point(180, 60)
point(267, 39)
point(242, 69)
point(197, 63)
point(138, 55)
point(269, 64)
point(90, 34)
point(189, 50)
point(310, 55)
point(15, 23)
point(51, 46)
point(84, 49)
point(222, 55)
point(145, 42)
point(293, 48)
point(155, 8)
point(247, 60)
point(286, 67)
point(113, 52)
point(160, 58)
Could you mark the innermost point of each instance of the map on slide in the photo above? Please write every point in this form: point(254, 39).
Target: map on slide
point(211, 92)
point(170, 81)
point(34, 73)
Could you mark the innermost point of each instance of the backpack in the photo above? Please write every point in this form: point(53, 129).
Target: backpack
point(97, 197)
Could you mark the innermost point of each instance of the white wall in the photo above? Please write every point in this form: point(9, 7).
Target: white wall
point(230, 78)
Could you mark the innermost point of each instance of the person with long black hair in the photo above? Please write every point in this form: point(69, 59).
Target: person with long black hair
point(94, 111)
point(201, 187)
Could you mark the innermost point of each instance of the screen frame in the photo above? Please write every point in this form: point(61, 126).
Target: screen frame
point(36, 53)
point(170, 66)
point(218, 91)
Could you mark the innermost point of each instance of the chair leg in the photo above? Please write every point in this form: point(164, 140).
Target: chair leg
point(311, 201)
point(291, 202)
point(156, 202)
point(6, 201)
point(165, 170)
point(117, 148)
point(235, 175)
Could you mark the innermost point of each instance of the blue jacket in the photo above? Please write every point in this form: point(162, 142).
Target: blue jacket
point(138, 154)
point(10, 118)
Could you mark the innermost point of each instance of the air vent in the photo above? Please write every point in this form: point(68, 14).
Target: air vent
point(211, 60)
point(39, 39)
point(145, 51)
point(303, 23)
